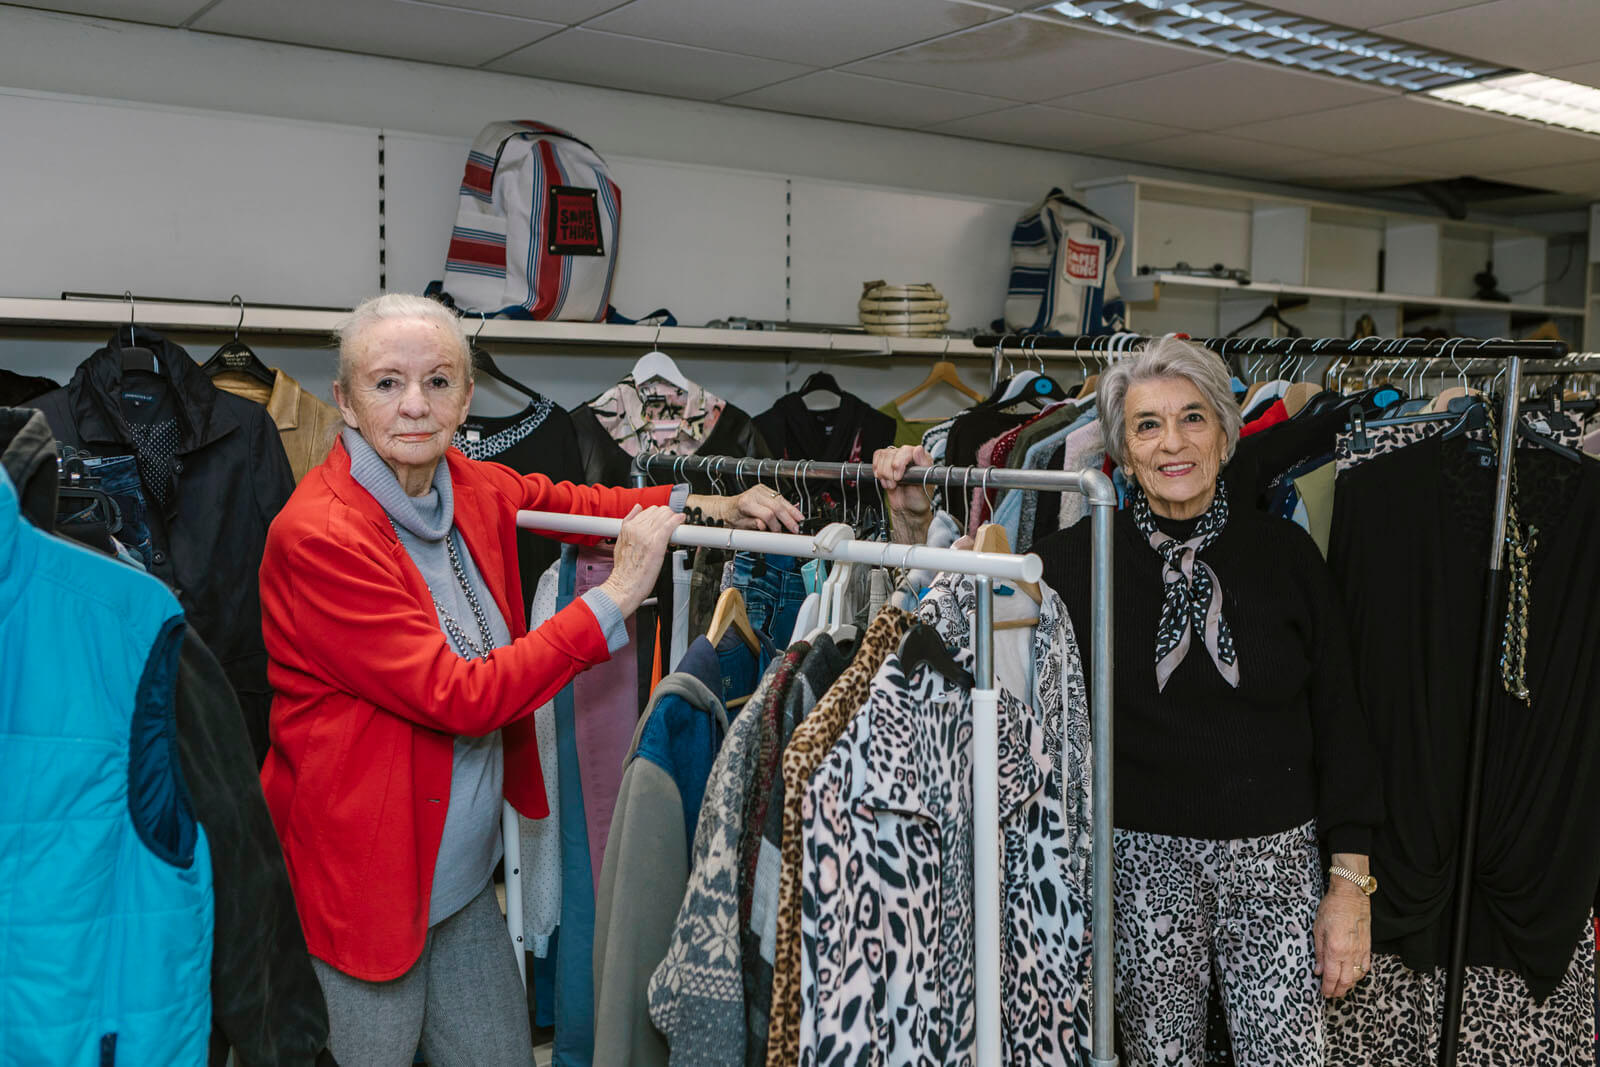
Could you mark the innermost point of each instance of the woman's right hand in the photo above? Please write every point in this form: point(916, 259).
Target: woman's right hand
point(636, 559)
point(910, 506)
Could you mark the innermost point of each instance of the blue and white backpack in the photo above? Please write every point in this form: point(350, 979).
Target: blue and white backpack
point(1063, 259)
point(536, 229)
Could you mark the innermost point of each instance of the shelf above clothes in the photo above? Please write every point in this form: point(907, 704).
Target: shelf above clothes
point(320, 322)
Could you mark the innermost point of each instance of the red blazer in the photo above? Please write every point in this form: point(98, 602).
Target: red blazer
point(369, 697)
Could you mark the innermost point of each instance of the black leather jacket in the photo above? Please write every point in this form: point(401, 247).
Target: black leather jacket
point(230, 479)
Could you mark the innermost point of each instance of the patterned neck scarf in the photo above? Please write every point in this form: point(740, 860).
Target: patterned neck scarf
point(1192, 601)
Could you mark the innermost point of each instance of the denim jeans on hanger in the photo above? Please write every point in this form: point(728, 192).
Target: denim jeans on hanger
point(119, 480)
point(772, 599)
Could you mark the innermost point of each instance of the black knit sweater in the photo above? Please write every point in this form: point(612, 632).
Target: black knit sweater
point(1203, 759)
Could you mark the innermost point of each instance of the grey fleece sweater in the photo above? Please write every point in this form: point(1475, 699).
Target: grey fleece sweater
point(470, 845)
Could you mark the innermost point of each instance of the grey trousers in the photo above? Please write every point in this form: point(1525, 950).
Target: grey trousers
point(1245, 907)
point(462, 1002)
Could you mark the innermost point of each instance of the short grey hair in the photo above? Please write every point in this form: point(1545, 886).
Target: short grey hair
point(389, 307)
point(1167, 357)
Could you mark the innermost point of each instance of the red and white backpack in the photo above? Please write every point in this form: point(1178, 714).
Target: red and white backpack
point(536, 230)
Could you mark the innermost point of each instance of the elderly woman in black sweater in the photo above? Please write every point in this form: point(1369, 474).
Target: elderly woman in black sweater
point(1240, 745)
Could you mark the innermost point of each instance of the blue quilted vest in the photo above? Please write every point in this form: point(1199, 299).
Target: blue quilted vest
point(105, 878)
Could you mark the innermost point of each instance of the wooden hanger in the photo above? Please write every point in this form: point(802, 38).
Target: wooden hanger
point(1442, 401)
point(1299, 395)
point(941, 372)
point(991, 537)
point(1090, 384)
point(731, 614)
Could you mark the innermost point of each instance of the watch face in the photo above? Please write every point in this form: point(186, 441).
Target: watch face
point(1372, 884)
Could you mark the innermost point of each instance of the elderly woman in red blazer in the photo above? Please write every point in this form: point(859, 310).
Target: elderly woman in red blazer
point(405, 681)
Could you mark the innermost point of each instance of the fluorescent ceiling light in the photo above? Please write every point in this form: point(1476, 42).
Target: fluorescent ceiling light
point(1255, 32)
point(1530, 96)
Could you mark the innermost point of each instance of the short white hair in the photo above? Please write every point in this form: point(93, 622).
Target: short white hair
point(389, 307)
point(1168, 357)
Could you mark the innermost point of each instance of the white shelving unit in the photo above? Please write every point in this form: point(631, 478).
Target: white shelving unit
point(1343, 261)
point(18, 311)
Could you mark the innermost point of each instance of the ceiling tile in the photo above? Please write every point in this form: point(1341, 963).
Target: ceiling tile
point(836, 95)
point(1395, 124)
point(594, 58)
point(377, 27)
point(1050, 127)
point(1364, 14)
point(1341, 172)
point(1519, 147)
point(1213, 152)
point(820, 33)
point(567, 12)
point(1222, 94)
point(1526, 34)
point(1580, 178)
point(1029, 60)
point(158, 12)
point(1583, 74)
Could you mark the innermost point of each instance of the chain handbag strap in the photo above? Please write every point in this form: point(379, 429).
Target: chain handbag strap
point(451, 627)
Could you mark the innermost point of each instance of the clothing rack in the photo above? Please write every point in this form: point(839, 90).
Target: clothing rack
point(1533, 357)
point(1097, 346)
point(1102, 498)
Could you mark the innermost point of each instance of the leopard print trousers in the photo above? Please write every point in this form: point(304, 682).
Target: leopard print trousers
point(1246, 906)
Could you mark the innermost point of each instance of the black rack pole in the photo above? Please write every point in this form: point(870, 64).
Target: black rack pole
point(1110, 344)
point(1466, 854)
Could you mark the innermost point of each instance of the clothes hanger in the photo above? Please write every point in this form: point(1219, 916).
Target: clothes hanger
point(923, 647)
point(657, 364)
point(1269, 312)
point(732, 614)
point(991, 537)
point(236, 355)
point(942, 372)
point(484, 363)
point(820, 382)
point(134, 355)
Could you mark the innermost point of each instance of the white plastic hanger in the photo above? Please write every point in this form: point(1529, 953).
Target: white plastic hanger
point(657, 364)
point(827, 537)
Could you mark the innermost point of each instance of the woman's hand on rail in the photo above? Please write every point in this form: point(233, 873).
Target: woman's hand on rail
point(911, 505)
point(636, 560)
point(761, 508)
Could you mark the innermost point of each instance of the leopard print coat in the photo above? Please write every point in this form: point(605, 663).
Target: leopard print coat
point(805, 752)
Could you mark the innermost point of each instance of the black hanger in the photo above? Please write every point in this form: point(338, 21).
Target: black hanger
point(73, 482)
point(820, 381)
point(484, 363)
point(923, 647)
point(134, 355)
point(1042, 390)
point(236, 355)
point(1549, 444)
point(1269, 312)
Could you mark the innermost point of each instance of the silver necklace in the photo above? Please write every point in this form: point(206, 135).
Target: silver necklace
point(451, 626)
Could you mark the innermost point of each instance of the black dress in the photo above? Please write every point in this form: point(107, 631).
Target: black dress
point(537, 440)
point(1410, 548)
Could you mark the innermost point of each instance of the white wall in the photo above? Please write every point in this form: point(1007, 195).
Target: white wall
point(190, 165)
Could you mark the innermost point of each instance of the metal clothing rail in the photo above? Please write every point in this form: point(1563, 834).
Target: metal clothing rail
point(1098, 346)
point(986, 807)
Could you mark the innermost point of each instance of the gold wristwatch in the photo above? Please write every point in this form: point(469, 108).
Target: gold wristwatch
point(1367, 883)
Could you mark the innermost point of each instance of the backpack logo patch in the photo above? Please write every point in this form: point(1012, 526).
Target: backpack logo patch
point(1085, 262)
point(574, 222)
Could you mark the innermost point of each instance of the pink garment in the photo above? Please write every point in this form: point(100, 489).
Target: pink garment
point(606, 697)
point(978, 506)
point(1085, 448)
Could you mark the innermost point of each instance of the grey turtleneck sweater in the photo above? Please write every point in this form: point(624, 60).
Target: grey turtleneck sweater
point(470, 846)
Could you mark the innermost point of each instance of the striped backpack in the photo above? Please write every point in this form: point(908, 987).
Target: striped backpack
point(536, 230)
point(1063, 259)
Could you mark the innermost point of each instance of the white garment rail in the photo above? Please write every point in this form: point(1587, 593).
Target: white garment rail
point(985, 567)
